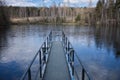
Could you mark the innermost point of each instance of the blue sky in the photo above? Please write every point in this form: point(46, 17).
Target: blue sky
point(37, 3)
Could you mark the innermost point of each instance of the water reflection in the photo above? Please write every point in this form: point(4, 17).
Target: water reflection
point(108, 37)
point(97, 47)
point(3, 40)
point(10, 71)
point(18, 45)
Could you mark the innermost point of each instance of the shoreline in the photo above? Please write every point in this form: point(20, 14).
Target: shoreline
point(38, 20)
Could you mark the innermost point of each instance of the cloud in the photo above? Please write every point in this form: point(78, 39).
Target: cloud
point(49, 2)
point(20, 3)
point(81, 2)
point(71, 1)
point(46, 1)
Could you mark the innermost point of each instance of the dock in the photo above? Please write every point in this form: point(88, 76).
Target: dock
point(57, 68)
point(56, 61)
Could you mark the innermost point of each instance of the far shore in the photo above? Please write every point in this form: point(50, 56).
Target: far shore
point(38, 20)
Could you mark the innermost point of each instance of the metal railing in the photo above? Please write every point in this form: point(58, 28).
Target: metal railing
point(42, 54)
point(71, 55)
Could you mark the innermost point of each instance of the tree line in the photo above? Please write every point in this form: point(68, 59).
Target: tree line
point(108, 12)
point(48, 14)
point(105, 12)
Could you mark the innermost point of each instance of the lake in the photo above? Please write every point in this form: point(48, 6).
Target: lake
point(98, 48)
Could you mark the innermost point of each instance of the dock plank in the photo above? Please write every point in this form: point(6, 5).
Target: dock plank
point(57, 68)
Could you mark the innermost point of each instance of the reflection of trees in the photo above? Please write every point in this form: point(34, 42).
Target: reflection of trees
point(4, 17)
point(3, 39)
point(108, 37)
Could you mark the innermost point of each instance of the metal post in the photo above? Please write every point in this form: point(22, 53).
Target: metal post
point(47, 45)
point(68, 57)
point(66, 47)
point(51, 36)
point(44, 58)
point(73, 55)
point(72, 68)
point(72, 62)
point(64, 38)
point(83, 74)
point(40, 62)
point(29, 74)
point(66, 41)
point(62, 35)
point(44, 52)
point(49, 39)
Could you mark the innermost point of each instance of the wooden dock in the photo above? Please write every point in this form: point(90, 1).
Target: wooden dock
point(57, 68)
point(56, 58)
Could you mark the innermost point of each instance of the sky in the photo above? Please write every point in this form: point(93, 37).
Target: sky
point(38, 3)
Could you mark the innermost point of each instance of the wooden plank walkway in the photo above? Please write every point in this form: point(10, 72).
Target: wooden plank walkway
point(57, 68)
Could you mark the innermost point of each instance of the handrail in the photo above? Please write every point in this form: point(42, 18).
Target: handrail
point(42, 52)
point(70, 52)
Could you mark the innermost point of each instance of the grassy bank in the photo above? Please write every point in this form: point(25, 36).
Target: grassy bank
point(38, 20)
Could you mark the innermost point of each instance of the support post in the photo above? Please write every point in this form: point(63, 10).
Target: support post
point(47, 44)
point(66, 47)
point(72, 62)
point(83, 74)
point(29, 74)
point(40, 62)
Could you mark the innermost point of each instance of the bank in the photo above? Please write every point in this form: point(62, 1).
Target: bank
point(39, 20)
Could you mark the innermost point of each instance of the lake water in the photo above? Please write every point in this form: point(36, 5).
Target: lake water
point(97, 47)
